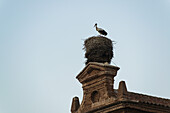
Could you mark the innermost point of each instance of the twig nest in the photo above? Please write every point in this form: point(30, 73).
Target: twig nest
point(98, 49)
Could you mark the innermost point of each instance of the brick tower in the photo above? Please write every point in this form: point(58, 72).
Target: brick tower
point(97, 81)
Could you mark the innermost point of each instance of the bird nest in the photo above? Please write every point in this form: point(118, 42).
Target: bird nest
point(98, 49)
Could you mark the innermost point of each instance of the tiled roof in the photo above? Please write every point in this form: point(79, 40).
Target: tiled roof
point(147, 99)
point(123, 94)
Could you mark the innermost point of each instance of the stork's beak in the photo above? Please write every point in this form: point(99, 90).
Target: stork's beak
point(95, 25)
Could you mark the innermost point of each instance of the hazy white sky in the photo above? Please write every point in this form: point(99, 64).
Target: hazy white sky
point(41, 45)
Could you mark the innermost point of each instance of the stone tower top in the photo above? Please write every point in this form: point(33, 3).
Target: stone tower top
point(97, 81)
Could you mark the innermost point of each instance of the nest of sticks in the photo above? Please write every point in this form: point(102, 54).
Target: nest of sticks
point(98, 49)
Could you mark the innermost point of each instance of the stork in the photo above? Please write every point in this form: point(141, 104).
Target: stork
point(100, 30)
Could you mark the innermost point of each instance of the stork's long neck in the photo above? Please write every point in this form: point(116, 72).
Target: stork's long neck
point(96, 28)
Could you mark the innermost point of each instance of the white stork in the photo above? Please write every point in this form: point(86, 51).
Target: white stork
point(100, 30)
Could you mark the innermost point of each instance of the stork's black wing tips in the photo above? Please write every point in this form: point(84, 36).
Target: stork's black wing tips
point(103, 32)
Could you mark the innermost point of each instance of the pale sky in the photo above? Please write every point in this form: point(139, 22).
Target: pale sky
point(41, 45)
